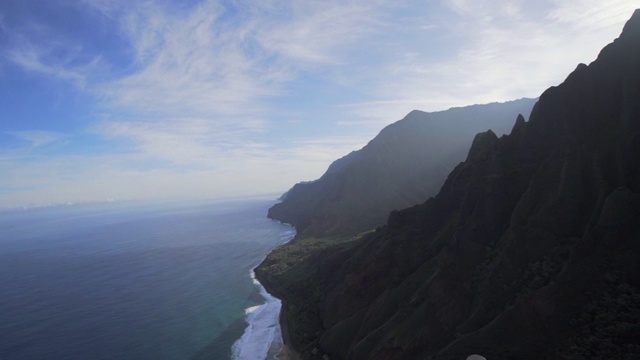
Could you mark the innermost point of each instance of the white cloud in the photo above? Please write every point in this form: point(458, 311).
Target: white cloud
point(206, 87)
point(489, 9)
point(190, 66)
point(311, 32)
point(499, 51)
point(203, 81)
point(592, 15)
point(183, 141)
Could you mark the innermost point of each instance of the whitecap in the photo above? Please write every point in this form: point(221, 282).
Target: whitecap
point(251, 309)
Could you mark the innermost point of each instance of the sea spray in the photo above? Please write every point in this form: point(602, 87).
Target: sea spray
point(263, 336)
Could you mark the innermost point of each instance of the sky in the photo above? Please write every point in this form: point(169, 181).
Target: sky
point(106, 100)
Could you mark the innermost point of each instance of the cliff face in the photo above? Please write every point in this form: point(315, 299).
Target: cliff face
point(402, 166)
point(530, 250)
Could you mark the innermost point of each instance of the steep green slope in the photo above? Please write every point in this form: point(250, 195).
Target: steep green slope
point(531, 249)
point(402, 166)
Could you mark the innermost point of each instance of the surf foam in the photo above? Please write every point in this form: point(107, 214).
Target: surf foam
point(262, 338)
point(263, 330)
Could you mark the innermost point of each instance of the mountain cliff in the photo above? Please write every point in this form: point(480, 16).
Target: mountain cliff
point(531, 249)
point(402, 166)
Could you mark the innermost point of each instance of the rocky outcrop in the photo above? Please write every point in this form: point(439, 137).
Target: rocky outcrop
point(531, 249)
point(402, 166)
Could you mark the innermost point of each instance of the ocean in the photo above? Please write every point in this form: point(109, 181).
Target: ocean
point(131, 281)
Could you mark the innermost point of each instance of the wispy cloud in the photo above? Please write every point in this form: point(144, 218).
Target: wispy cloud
point(40, 60)
point(36, 47)
point(592, 15)
point(38, 138)
point(205, 77)
point(497, 51)
point(312, 32)
point(181, 141)
point(190, 66)
point(200, 94)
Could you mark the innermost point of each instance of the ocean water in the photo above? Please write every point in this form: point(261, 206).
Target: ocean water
point(124, 281)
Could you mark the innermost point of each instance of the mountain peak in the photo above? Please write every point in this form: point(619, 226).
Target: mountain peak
point(632, 27)
point(482, 143)
point(520, 123)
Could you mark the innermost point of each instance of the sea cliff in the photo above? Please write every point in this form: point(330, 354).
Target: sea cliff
point(529, 250)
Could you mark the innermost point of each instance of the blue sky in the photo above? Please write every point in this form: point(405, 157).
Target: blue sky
point(126, 99)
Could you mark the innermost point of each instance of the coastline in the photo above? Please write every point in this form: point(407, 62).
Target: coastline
point(263, 321)
point(287, 352)
point(276, 276)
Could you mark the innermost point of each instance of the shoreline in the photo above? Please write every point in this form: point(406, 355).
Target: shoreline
point(287, 352)
point(264, 319)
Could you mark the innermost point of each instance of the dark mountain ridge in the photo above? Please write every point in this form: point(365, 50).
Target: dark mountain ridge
point(531, 249)
point(402, 166)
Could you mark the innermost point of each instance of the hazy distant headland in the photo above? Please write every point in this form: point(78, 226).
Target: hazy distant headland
point(405, 164)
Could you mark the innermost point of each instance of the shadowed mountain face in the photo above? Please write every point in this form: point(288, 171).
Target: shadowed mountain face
point(402, 166)
point(530, 250)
